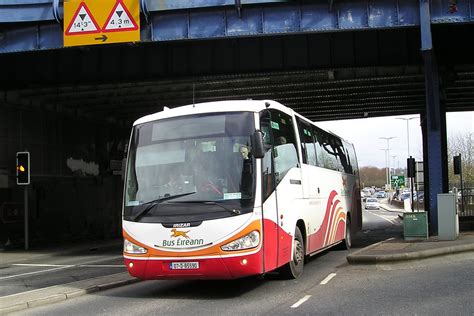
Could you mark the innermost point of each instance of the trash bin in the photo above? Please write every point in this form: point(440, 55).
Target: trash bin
point(448, 219)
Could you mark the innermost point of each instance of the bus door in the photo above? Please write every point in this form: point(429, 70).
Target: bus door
point(269, 207)
point(288, 182)
point(311, 181)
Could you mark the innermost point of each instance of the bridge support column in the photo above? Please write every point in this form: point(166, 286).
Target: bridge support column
point(433, 123)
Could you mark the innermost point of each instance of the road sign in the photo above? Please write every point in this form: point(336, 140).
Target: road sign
point(11, 212)
point(82, 22)
point(120, 20)
point(397, 181)
point(92, 22)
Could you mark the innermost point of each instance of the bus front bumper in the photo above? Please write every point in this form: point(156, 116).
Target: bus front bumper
point(218, 267)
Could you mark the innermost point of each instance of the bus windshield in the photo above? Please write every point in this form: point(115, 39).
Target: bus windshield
point(191, 164)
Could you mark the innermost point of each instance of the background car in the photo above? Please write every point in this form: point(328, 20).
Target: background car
point(372, 204)
point(419, 197)
point(381, 194)
point(404, 196)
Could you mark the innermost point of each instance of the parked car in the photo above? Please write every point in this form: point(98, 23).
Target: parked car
point(381, 194)
point(372, 204)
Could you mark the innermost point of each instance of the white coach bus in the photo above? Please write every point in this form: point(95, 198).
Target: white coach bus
point(230, 189)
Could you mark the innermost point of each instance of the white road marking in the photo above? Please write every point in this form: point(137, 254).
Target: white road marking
point(101, 266)
point(69, 266)
point(35, 272)
point(301, 301)
point(57, 267)
point(328, 278)
point(387, 218)
point(39, 265)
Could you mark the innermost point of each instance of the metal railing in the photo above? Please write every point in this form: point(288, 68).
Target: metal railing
point(466, 202)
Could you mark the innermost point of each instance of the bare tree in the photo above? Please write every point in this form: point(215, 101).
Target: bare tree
point(461, 143)
point(372, 176)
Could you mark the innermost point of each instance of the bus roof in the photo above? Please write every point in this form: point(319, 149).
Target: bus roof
point(223, 106)
point(214, 107)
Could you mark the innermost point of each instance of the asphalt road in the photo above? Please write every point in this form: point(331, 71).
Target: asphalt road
point(56, 270)
point(250, 295)
point(329, 285)
point(50, 271)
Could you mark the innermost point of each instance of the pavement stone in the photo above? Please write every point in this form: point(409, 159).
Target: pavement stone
point(397, 249)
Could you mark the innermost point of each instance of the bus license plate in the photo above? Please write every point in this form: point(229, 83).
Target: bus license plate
point(184, 265)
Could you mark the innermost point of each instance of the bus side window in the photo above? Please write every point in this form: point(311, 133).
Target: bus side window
point(307, 145)
point(321, 155)
point(285, 148)
point(352, 158)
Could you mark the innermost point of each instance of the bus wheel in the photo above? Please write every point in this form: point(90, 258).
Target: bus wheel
point(347, 241)
point(294, 268)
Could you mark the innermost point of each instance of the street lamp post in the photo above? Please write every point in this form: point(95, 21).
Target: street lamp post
point(387, 178)
point(388, 158)
point(393, 157)
point(407, 119)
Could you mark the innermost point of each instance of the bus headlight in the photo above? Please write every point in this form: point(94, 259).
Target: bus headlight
point(130, 247)
point(250, 240)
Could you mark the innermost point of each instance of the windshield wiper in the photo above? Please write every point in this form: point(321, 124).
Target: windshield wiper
point(153, 203)
point(233, 211)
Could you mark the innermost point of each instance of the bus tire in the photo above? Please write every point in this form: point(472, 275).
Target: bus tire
point(294, 268)
point(347, 241)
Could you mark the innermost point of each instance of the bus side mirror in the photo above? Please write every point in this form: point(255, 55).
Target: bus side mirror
point(258, 147)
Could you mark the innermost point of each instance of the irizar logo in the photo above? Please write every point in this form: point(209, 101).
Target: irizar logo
point(181, 225)
point(181, 239)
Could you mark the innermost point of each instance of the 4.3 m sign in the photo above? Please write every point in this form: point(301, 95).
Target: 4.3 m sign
point(91, 22)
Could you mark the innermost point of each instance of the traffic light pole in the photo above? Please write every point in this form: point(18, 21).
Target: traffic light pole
point(23, 179)
point(26, 218)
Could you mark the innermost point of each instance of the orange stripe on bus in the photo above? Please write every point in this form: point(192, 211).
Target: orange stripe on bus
point(212, 250)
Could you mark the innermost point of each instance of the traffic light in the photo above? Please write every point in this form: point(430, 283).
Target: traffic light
point(23, 168)
point(457, 164)
point(411, 167)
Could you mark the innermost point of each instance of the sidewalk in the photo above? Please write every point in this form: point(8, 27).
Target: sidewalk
point(397, 249)
point(10, 256)
point(60, 292)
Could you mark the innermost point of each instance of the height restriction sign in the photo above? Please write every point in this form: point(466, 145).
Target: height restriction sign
point(92, 22)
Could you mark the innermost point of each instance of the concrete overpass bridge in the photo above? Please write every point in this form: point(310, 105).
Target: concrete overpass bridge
point(327, 59)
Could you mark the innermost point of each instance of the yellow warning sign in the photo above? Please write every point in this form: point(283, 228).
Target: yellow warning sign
point(92, 22)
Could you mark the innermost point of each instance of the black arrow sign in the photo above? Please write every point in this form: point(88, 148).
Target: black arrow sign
point(103, 38)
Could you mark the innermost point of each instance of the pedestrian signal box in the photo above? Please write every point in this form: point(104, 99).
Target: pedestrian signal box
point(23, 168)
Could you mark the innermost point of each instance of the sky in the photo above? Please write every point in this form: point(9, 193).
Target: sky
point(366, 135)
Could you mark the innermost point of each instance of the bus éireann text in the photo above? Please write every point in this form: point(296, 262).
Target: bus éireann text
point(229, 189)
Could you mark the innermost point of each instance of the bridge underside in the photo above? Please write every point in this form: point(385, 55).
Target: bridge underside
point(323, 76)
